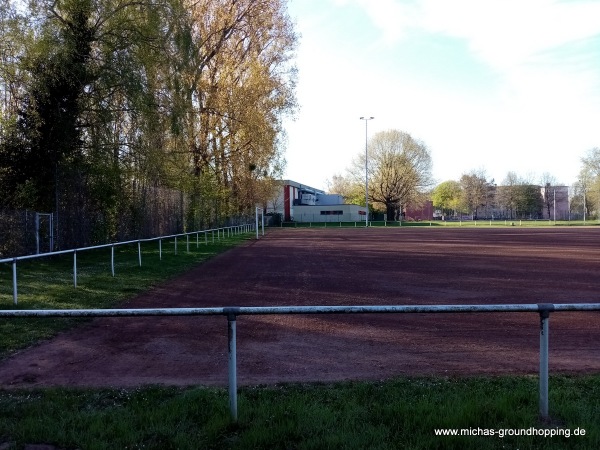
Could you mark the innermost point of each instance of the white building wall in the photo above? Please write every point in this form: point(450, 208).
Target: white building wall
point(559, 196)
point(329, 213)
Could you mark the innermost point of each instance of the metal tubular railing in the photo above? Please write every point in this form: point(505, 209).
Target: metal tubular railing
point(259, 212)
point(543, 309)
point(231, 230)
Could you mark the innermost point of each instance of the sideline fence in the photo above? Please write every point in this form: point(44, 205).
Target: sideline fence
point(230, 231)
point(543, 309)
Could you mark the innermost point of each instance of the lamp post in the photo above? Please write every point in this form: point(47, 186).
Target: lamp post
point(366, 119)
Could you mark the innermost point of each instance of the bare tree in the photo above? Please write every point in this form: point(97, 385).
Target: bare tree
point(347, 187)
point(591, 162)
point(507, 193)
point(399, 170)
point(548, 183)
point(475, 188)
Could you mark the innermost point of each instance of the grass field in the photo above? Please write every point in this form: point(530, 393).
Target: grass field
point(47, 283)
point(397, 413)
point(400, 413)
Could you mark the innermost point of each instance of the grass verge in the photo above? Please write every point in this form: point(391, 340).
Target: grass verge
point(401, 413)
point(47, 283)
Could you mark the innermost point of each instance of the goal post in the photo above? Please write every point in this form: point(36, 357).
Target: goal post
point(261, 212)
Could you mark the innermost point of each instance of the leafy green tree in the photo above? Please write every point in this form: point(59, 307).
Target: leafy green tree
point(113, 108)
point(529, 202)
point(588, 183)
point(447, 197)
point(47, 130)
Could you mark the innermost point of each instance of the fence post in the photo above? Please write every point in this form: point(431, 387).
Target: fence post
point(175, 244)
point(160, 249)
point(197, 240)
point(231, 348)
point(187, 242)
point(37, 234)
point(140, 253)
point(14, 270)
point(112, 259)
point(544, 328)
point(206, 237)
point(75, 268)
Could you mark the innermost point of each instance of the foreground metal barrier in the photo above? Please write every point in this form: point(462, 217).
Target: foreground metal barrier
point(543, 309)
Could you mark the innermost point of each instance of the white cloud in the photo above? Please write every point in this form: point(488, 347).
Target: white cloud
point(507, 32)
point(536, 111)
point(503, 33)
point(392, 17)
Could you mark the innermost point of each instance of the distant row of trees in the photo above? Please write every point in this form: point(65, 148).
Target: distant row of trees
point(478, 197)
point(399, 175)
point(517, 197)
point(111, 108)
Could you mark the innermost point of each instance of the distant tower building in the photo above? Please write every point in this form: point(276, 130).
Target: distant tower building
point(556, 202)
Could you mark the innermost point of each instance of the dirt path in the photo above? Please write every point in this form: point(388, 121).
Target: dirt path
point(341, 267)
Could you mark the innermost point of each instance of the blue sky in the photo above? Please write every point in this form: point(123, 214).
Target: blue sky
point(492, 85)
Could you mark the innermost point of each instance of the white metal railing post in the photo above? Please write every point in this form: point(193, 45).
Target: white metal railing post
point(231, 349)
point(206, 237)
point(544, 328)
point(256, 219)
point(51, 232)
point(75, 268)
point(175, 244)
point(14, 274)
point(112, 259)
point(263, 222)
point(37, 234)
point(187, 242)
point(197, 240)
point(140, 253)
point(160, 249)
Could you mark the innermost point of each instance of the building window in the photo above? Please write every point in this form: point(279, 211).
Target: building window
point(332, 213)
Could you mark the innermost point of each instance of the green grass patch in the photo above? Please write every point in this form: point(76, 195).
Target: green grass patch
point(401, 413)
point(47, 283)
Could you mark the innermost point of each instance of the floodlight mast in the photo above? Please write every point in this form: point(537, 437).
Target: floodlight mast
point(366, 119)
